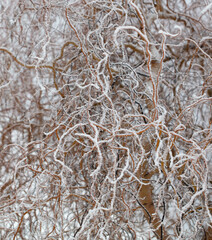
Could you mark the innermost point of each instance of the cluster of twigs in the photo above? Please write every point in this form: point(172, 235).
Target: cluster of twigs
point(105, 119)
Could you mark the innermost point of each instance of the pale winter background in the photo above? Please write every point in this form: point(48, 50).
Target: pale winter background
point(105, 119)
